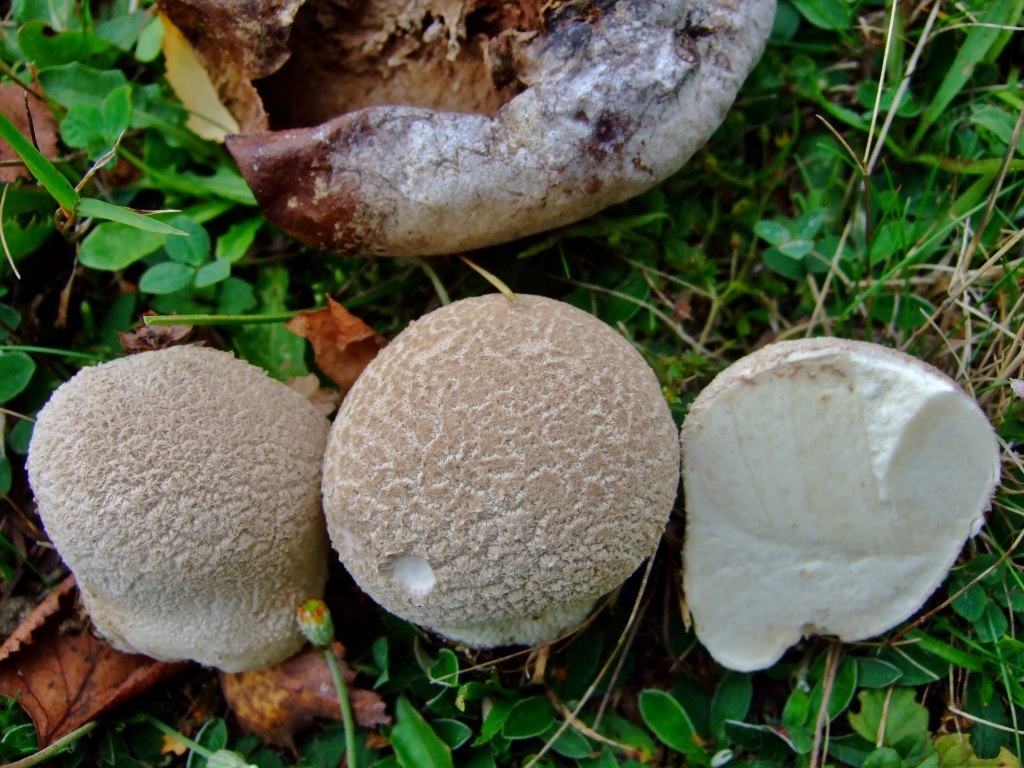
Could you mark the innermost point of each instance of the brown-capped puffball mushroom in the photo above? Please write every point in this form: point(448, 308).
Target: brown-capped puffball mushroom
point(829, 487)
point(417, 127)
point(182, 489)
point(498, 467)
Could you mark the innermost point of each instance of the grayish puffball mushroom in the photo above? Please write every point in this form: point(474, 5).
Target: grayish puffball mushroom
point(829, 487)
point(433, 127)
point(498, 467)
point(181, 487)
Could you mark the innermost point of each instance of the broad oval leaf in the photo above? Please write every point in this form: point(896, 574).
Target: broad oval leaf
point(825, 14)
point(115, 246)
point(166, 277)
point(667, 720)
point(529, 717)
point(16, 369)
point(415, 742)
point(452, 732)
point(731, 701)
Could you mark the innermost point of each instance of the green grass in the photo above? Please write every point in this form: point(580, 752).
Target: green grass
point(816, 209)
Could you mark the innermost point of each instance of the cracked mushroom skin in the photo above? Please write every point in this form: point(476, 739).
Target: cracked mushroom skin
point(829, 487)
point(181, 487)
point(590, 103)
point(498, 467)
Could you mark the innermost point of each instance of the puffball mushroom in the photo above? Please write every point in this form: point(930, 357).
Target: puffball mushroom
point(498, 467)
point(181, 487)
point(419, 127)
point(829, 487)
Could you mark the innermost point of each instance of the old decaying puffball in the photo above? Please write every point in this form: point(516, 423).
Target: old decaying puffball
point(829, 487)
point(418, 127)
point(498, 467)
point(181, 487)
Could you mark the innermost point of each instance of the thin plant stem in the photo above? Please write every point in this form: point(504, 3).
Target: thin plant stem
point(40, 757)
point(346, 706)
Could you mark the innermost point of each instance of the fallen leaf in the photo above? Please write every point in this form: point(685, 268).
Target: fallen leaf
point(343, 344)
point(150, 337)
point(64, 676)
point(277, 702)
point(208, 117)
point(43, 131)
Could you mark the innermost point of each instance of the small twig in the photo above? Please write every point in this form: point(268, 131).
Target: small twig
point(828, 682)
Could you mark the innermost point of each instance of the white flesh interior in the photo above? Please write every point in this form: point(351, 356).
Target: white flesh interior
point(829, 494)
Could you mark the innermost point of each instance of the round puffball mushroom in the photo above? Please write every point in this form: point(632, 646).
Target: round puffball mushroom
point(829, 487)
point(418, 127)
point(182, 488)
point(498, 467)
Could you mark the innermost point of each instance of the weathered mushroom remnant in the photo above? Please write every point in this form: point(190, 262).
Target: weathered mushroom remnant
point(829, 487)
point(181, 487)
point(417, 127)
point(498, 467)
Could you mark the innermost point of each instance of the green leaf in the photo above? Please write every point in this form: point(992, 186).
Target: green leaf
point(234, 243)
point(270, 345)
point(212, 273)
point(214, 736)
point(570, 742)
point(731, 701)
point(971, 52)
point(39, 166)
point(41, 44)
point(452, 732)
point(166, 277)
point(445, 671)
point(774, 232)
point(843, 688)
point(115, 246)
point(75, 83)
point(494, 720)
point(825, 14)
point(529, 717)
point(416, 744)
point(193, 250)
point(902, 714)
point(797, 709)
point(875, 673)
point(669, 722)
point(5, 487)
point(16, 369)
point(883, 757)
point(100, 209)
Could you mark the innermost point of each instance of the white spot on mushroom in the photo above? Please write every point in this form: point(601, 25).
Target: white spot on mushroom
point(414, 575)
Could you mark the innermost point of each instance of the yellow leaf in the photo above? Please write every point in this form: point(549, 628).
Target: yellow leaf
point(208, 117)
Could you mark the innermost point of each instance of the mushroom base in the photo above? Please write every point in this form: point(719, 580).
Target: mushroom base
point(540, 628)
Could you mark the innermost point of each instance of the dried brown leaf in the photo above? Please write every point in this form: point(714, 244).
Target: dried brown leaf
point(149, 337)
point(277, 702)
point(343, 344)
point(64, 676)
point(44, 128)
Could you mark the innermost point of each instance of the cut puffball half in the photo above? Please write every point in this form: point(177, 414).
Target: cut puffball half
point(829, 487)
point(498, 467)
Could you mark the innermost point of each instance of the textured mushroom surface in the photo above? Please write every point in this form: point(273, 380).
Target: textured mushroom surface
point(498, 467)
point(181, 487)
point(829, 487)
point(429, 127)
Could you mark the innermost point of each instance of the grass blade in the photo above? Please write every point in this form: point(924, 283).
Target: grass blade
point(99, 209)
point(39, 166)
